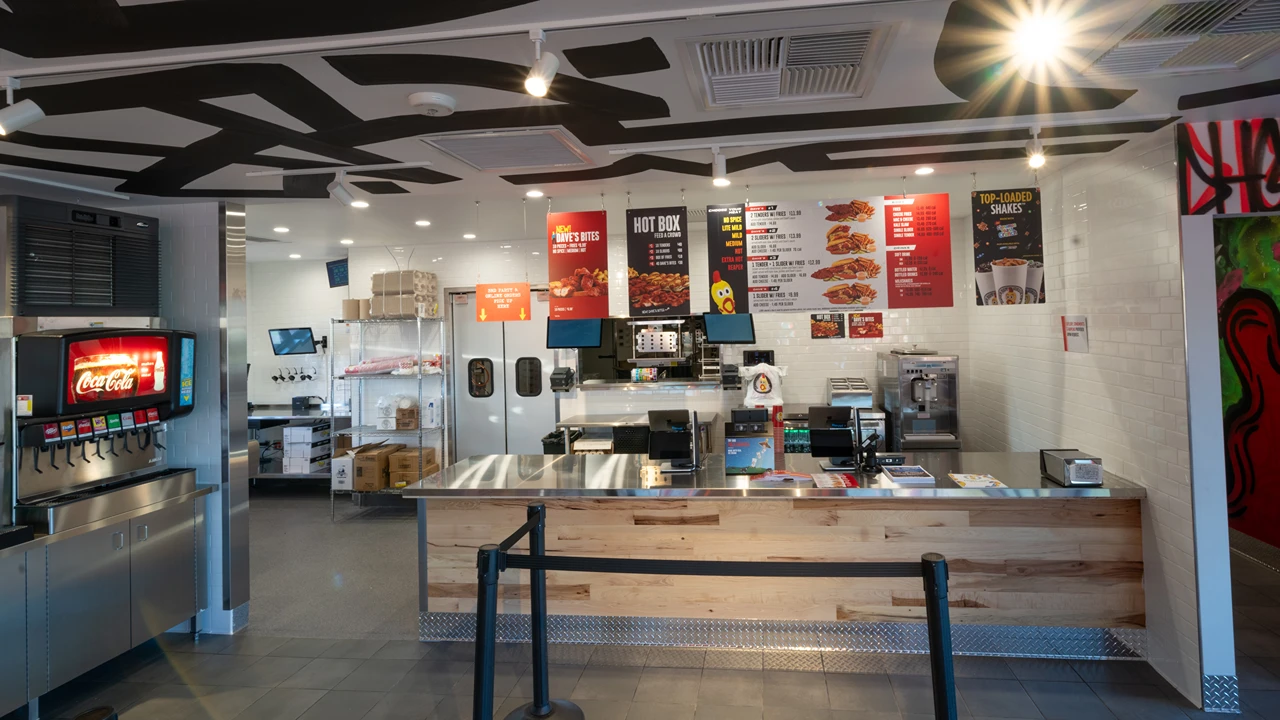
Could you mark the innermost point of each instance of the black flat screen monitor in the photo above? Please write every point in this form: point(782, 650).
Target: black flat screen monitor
point(669, 420)
point(674, 446)
point(338, 276)
point(831, 443)
point(825, 417)
point(729, 329)
point(292, 341)
point(564, 334)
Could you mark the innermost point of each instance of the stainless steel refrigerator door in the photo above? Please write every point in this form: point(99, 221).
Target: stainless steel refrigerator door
point(479, 382)
point(531, 406)
point(88, 601)
point(163, 577)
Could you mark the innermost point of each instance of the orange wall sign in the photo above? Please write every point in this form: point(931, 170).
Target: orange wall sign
point(502, 302)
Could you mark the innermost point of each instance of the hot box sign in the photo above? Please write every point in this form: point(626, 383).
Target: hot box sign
point(578, 264)
point(115, 368)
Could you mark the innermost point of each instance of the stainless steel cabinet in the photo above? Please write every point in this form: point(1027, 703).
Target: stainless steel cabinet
point(13, 628)
point(163, 573)
point(89, 610)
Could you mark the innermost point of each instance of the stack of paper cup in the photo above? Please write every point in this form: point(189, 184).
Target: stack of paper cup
point(1010, 276)
point(986, 284)
point(1035, 274)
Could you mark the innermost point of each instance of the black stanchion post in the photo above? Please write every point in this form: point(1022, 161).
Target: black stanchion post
point(934, 568)
point(538, 600)
point(487, 571)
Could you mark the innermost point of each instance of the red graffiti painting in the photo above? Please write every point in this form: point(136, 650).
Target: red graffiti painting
point(1229, 167)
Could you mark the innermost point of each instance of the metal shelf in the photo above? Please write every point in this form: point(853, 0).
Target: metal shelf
point(387, 321)
point(388, 376)
point(290, 476)
point(372, 430)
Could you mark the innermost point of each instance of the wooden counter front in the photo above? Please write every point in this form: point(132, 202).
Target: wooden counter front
point(1014, 561)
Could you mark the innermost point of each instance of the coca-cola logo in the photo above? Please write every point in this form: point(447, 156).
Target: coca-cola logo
point(119, 380)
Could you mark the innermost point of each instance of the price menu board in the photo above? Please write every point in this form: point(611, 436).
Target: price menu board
point(578, 264)
point(657, 262)
point(867, 253)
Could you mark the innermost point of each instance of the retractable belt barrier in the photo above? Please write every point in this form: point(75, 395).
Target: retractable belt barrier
point(492, 560)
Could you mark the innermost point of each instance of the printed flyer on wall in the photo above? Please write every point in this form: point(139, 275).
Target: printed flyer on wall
point(657, 261)
point(578, 264)
point(869, 253)
point(1008, 247)
point(727, 259)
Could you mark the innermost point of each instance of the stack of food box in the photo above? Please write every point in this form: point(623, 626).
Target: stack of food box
point(377, 466)
point(307, 448)
point(405, 294)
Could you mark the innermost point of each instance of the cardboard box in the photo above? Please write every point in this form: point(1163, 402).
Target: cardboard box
point(407, 460)
point(341, 444)
point(342, 472)
point(404, 282)
point(306, 434)
point(588, 446)
point(400, 479)
point(404, 306)
point(308, 451)
point(429, 412)
point(385, 423)
point(407, 418)
point(306, 465)
point(370, 466)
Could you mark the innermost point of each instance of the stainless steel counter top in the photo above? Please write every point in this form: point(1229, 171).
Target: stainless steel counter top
point(286, 412)
point(623, 420)
point(507, 476)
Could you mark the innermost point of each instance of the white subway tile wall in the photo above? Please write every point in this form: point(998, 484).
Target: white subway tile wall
point(288, 295)
point(1111, 254)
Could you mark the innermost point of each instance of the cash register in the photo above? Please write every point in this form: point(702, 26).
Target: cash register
point(674, 441)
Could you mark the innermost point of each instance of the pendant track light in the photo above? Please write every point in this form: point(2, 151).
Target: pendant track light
point(1035, 150)
point(545, 67)
point(16, 116)
point(719, 169)
point(339, 191)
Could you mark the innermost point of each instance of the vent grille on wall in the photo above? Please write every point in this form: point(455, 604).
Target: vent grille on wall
point(60, 270)
point(515, 150)
point(790, 66)
point(1193, 37)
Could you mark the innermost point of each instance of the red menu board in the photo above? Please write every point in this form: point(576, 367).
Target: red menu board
point(918, 250)
point(112, 368)
point(578, 264)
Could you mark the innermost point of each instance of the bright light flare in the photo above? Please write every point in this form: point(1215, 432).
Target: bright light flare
point(1039, 39)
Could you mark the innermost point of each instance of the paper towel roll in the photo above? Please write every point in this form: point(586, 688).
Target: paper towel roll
point(350, 309)
point(365, 309)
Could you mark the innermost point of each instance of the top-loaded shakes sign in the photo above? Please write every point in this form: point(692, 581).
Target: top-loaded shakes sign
point(578, 264)
point(114, 368)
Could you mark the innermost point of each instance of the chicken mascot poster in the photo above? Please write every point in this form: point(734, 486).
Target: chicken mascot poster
point(1247, 266)
point(578, 264)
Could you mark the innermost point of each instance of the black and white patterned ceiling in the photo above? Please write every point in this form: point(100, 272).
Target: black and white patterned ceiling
point(138, 100)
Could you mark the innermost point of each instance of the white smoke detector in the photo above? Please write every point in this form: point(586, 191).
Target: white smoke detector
point(433, 104)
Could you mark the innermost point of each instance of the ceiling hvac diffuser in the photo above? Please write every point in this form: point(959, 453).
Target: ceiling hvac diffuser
point(1180, 38)
point(798, 65)
point(512, 150)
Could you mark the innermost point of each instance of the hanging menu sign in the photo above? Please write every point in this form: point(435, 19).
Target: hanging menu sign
point(658, 261)
point(1008, 247)
point(872, 253)
point(578, 264)
point(727, 259)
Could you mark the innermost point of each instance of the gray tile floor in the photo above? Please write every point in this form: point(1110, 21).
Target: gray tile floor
point(309, 655)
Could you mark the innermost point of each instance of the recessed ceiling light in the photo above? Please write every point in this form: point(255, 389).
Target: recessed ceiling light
point(469, 236)
point(535, 252)
point(422, 223)
point(360, 204)
point(347, 241)
point(382, 269)
point(504, 247)
point(924, 171)
point(295, 256)
point(281, 229)
point(534, 194)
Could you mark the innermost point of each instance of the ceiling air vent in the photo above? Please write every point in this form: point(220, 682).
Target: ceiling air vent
point(514, 150)
point(787, 66)
point(1181, 38)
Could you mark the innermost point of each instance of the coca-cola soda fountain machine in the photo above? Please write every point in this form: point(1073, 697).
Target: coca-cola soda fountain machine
point(90, 417)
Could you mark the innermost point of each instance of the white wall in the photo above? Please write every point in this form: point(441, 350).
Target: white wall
point(1112, 254)
point(287, 295)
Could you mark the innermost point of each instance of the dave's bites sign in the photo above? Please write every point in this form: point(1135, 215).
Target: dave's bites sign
point(578, 264)
point(1008, 247)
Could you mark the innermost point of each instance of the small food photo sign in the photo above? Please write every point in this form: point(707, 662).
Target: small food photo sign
point(578, 264)
point(826, 326)
point(866, 325)
point(657, 261)
point(1008, 247)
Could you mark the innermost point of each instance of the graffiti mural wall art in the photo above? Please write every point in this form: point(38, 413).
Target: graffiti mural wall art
point(1247, 259)
point(1229, 167)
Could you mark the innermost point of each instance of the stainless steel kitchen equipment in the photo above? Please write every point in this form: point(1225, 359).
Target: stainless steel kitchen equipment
point(850, 392)
point(920, 397)
point(1071, 468)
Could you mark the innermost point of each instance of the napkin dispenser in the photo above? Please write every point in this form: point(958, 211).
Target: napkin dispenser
point(1071, 468)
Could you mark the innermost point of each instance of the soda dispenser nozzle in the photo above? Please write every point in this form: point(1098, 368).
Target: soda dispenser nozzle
point(145, 440)
point(35, 460)
point(69, 463)
point(53, 457)
point(97, 448)
point(84, 448)
point(111, 446)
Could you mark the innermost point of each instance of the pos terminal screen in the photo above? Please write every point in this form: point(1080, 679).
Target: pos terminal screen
point(563, 334)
